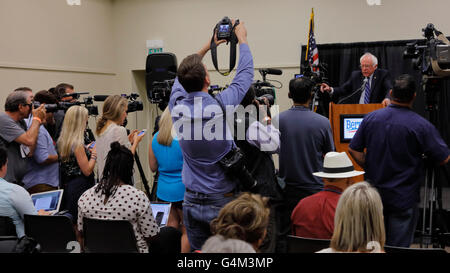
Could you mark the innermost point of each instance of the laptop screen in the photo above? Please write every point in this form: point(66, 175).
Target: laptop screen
point(48, 201)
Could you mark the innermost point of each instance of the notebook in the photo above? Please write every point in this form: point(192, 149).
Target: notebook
point(48, 201)
point(161, 211)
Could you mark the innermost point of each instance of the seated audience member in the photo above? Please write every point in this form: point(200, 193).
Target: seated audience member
point(245, 218)
point(165, 157)
point(15, 201)
point(14, 135)
point(110, 129)
point(313, 217)
point(77, 161)
point(220, 244)
point(43, 167)
point(358, 224)
point(115, 198)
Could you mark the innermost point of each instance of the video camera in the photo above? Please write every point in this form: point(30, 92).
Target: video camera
point(160, 73)
point(432, 57)
point(87, 101)
point(133, 104)
point(264, 88)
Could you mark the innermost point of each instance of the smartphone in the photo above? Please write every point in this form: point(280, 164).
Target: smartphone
point(159, 217)
point(92, 145)
point(142, 132)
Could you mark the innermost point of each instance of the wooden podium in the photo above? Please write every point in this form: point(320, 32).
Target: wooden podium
point(338, 110)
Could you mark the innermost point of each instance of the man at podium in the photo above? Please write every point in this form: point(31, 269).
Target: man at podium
point(369, 85)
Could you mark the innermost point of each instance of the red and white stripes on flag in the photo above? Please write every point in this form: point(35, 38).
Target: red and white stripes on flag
point(312, 53)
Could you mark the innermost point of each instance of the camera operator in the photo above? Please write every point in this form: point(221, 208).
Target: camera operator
point(207, 186)
point(59, 91)
point(305, 138)
point(261, 140)
point(370, 85)
point(19, 142)
point(43, 168)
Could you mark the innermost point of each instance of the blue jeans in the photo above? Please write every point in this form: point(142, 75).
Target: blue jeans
point(198, 211)
point(400, 226)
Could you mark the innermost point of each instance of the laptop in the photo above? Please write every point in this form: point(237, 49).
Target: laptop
point(48, 201)
point(161, 211)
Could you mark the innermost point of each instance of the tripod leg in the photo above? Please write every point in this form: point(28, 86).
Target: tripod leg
point(424, 209)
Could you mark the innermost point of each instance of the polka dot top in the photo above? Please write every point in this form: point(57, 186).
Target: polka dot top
point(128, 203)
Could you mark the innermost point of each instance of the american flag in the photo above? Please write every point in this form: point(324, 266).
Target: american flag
point(312, 54)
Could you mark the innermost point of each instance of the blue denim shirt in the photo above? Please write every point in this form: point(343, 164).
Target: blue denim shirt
point(200, 113)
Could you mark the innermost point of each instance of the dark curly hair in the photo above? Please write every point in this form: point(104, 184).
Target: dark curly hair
point(118, 169)
point(245, 218)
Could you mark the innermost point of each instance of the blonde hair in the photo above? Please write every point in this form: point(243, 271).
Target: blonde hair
point(358, 220)
point(112, 110)
point(72, 132)
point(165, 128)
point(245, 218)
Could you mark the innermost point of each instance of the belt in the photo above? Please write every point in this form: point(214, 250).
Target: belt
point(228, 194)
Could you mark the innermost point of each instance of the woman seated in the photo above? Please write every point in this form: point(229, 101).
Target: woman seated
point(77, 161)
point(245, 218)
point(114, 198)
point(358, 222)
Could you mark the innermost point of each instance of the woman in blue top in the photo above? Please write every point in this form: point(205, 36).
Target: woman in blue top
point(165, 157)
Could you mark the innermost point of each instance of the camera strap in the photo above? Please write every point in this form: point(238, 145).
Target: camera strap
point(233, 42)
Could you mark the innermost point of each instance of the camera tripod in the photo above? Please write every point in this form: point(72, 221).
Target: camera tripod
point(139, 165)
point(432, 203)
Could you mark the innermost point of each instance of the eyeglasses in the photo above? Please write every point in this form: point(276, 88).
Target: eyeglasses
point(365, 66)
point(28, 104)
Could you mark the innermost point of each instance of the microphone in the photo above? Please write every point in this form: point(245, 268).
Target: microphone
point(271, 71)
point(357, 90)
point(100, 97)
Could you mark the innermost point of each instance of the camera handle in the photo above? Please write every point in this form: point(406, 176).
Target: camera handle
point(233, 43)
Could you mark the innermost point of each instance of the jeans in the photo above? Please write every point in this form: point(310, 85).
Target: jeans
point(198, 211)
point(400, 226)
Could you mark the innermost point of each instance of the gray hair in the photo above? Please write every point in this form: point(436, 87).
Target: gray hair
point(374, 59)
point(15, 99)
point(219, 244)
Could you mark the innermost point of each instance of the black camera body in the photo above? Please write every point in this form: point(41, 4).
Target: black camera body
point(161, 91)
point(225, 29)
point(431, 57)
point(50, 108)
point(133, 105)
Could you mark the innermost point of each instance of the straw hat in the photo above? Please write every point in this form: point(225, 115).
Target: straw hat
point(337, 165)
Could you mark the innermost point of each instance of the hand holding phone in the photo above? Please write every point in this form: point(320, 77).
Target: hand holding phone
point(92, 145)
point(142, 132)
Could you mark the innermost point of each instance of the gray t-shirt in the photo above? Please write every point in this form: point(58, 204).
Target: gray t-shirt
point(10, 130)
point(305, 138)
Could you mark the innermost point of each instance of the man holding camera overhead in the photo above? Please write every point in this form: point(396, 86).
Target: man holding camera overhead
point(204, 135)
point(13, 135)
